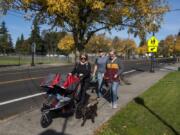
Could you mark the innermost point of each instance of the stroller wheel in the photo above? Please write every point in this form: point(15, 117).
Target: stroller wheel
point(46, 120)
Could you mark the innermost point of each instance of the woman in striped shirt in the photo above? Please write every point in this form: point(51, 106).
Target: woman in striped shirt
point(114, 68)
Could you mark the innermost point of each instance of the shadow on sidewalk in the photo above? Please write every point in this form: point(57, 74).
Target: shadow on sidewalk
point(52, 132)
point(141, 102)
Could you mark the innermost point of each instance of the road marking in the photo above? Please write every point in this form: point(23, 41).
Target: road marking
point(26, 71)
point(37, 94)
point(129, 71)
point(22, 98)
point(21, 80)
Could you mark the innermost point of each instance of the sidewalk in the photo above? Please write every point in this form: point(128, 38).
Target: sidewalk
point(29, 123)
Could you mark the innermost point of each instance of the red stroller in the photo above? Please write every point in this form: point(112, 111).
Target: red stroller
point(59, 95)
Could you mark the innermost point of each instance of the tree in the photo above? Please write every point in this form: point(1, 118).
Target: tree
point(98, 42)
point(10, 48)
point(125, 47)
point(83, 18)
point(26, 47)
point(117, 45)
point(168, 46)
point(142, 50)
point(17, 45)
point(51, 40)
point(36, 38)
point(177, 45)
point(129, 47)
point(19, 42)
point(6, 45)
point(66, 44)
point(179, 33)
point(23, 46)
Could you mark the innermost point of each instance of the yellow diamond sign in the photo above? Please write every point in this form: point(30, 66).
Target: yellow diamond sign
point(153, 41)
point(152, 49)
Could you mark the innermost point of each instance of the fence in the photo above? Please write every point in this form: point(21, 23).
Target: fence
point(22, 59)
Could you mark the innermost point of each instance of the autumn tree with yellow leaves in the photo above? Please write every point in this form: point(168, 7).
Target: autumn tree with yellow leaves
point(142, 50)
point(66, 44)
point(83, 18)
point(177, 45)
point(170, 46)
point(98, 42)
point(124, 47)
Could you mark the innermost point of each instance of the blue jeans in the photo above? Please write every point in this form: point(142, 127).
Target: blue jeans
point(114, 86)
point(100, 83)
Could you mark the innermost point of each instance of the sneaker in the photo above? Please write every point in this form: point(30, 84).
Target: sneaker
point(114, 106)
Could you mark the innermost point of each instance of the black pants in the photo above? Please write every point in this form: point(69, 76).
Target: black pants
point(84, 87)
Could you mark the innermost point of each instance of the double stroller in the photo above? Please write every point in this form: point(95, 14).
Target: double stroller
point(60, 95)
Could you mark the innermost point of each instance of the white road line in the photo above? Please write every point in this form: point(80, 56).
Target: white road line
point(21, 80)
point(22, 98)
point(129, 71)
point(38, 94)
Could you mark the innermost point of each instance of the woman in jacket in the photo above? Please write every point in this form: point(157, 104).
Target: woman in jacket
point(83, 69)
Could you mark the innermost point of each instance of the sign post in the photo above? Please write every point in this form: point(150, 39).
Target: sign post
point(152, 48)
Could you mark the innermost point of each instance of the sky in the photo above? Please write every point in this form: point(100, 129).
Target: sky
point(17, 25)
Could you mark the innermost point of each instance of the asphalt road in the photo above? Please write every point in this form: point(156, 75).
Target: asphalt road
point(20, 84)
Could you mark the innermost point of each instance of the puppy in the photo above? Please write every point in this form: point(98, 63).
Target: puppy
point(89, 111)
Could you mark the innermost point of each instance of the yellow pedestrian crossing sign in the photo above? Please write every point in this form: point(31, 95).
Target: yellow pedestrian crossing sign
point(152, 49)
point(153, 41)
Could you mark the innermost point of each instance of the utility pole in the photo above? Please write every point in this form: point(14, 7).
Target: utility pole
point(33, 50)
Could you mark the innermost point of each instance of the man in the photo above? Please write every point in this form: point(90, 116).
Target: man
point(99, 69)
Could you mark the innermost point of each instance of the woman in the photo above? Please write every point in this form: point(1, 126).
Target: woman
point(113, 70)
point(83, 69)
point(99, 69)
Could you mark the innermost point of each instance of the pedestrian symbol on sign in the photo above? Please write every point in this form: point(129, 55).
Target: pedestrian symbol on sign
point(153, 41)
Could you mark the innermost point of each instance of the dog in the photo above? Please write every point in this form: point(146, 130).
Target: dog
point(89, 111)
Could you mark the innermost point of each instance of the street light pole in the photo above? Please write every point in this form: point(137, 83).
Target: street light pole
point(33, 47)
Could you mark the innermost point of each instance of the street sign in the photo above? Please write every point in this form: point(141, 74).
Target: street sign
point(153, 41)
point(33, 47)
point(152, 49)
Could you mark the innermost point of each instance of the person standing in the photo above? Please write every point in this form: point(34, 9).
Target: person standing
point(99, 70)
point(83, 68)
point(114, 69)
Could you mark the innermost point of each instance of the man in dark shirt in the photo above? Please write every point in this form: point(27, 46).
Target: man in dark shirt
point(100, 69)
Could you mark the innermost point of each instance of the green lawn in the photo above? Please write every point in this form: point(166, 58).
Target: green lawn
point(12, 61)
point(156, 112)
